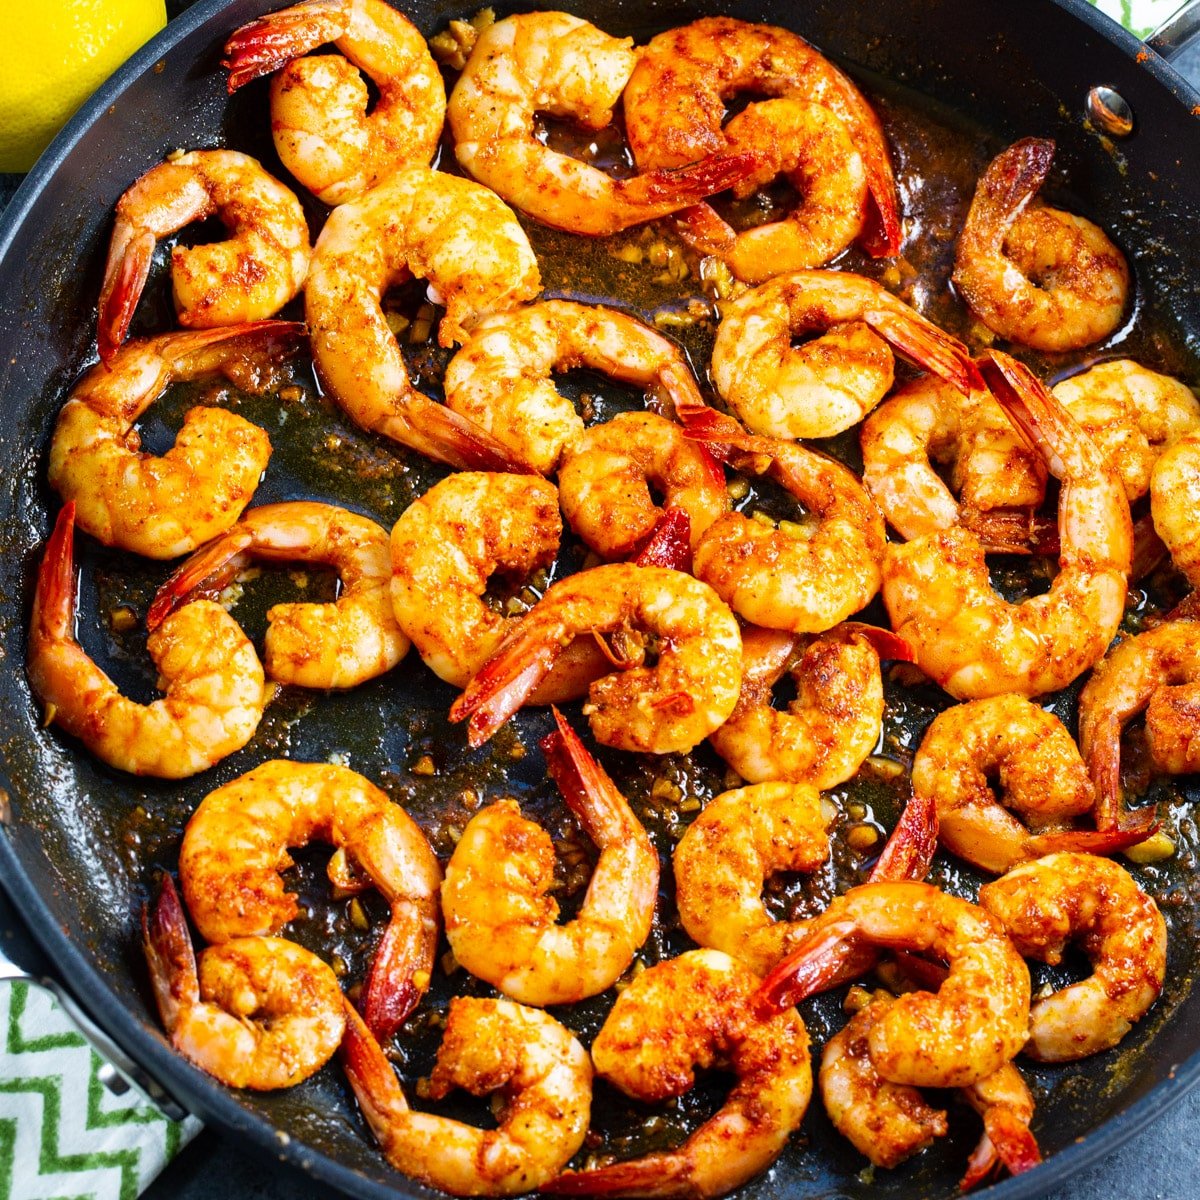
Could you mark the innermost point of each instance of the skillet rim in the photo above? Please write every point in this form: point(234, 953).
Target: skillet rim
point(211, 1101)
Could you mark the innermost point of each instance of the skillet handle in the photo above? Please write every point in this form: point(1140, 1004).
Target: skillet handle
point(118, 1072)
point(1177, 33)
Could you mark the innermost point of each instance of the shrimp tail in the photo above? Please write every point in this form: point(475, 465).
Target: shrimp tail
point(205, 574)
point(1144, 824)
point(263, 46)
point(1013, 531)
point(1033, 411)
point(701, 228)
point(440, 433)
point(673, 188)
point(816, 964)
point(654, 1175)
point(399, 974)
point(371, 1077)
point(881, 233)
point(1148, 549)
point(54, 597)
point(1104, 763)
point(169, 954)
point(909, 851)
point(928, 346)
point(890, 647)
point(1012, 179)
point(126, 270)
point(669, 543)
point(1006, 1139)
point(585, 785)
point(201, 350)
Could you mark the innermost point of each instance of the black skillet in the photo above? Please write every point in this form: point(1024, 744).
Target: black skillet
point(75, 853)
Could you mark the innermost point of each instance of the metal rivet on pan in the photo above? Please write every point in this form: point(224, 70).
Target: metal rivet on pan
point(1109, 111)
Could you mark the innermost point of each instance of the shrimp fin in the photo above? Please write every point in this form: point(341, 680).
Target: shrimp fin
point(442, 434)
point(701, 228)
point(890, 647)
point(262, 46)
point(203, 350)
point(1013, 178)
point(371, 1076)
point(205, 574)
point(814, 965)
point(653, 1175)
point(881, 232)
point(1098, 841)
point(927, 346)
point(585, 785)
point(910, 849)
point(169, 954)
point(1006, 1139)
point(673, 188)
point(669, 543)
point(53, 616)
point(125, 273)
point(1013, 531)
point(399, 973)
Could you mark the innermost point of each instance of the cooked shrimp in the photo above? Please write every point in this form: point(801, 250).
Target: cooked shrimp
point(940, 599)
point(606, 478)
point(215, 691)
point(322, 130)
point(670, 707)
point(551, 62)
point(1093, 901)
point(477, 259)
point(501, 378)
point(501, 920)
point(1175, 501)
point(1157, 672)
point(831, 382)
point(543, 1077)
point(675, 104)
point(162, 506)
point(257, 1012)
point(826, 732)
point(1031, 273)
point(251, 275)
point(336, 645)
point(696, 1011)
point(969, 1028)
point(1042, 777)
point(805, 584)
point(235, 848)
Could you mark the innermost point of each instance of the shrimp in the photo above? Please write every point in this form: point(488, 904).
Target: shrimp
point(1041, 775)
point(670, 707)
point(551, 62)
point(319, 120)
point(605, 482)
point(500, 917)
point(215, 690)
point(337, 645)
point(1157, 672)
point(445, 548)
point(696, 1011)
point(826, 732)
point(675, 106)
point(890, 1122)
point(477, 259)
point(248, 277)
point(255, 1012)
point(939, 598)
point(805, 584)
point(541, 1072)
point(235, 848)
point(1067, 896)
point(162, 506)
point(976, 1021)
point(500, 379)
point(1035, 274)
point(830, 383)
point(1174, 501)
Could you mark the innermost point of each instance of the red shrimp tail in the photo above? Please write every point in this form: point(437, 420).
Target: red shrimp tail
point(909, 851)
point(585, 785)
point(399, 975)
point(54, 597)
point(1143, 824)
point(669, 543)
point(926, 975)
point(729, 442)
point(701, 228)
point(1006, 1140)
point(205, 574)
point(928, 346)
point(445, 436)
point(202, 350)
point(1013, 531)
point(816, 964)
point(125, 273)
point(1149, 550)
point(890, 647)
point(169, 954)
point(881, 234)
point(983, 1163)
point(263, 46)
point(371, 1076)
point(682, 186)
point(1013, 178)
point(654, 1175)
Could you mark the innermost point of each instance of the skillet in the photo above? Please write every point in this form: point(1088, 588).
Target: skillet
point(76, 852)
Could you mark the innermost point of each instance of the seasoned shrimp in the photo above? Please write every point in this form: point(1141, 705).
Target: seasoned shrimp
point(543, 1077)
point(256, 1012)
point(322, 130)
point(162, 506)
point(1156, 672)
point(1042, 777)
point(688, 1012)
point(336, 645)
point(939, 597)
point(251, 275)
point(777, 580)
point(826, 732)
point(477, 259)
point(831, 382)
point(1031, 273)
point(976, 1021)
point(235, 848)
point(501, 920)
point(1175, 501)
point(605, 482)
point(501, 378)
point(1093, 901)
point(675, 105)
point(215, 690)
point(554, 63)
point(670, 707)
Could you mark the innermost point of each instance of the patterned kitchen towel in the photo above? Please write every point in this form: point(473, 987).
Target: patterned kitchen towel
point(63, 1134)
point(1141, 17)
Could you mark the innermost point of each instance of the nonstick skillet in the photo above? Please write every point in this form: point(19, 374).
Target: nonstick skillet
point(79, 842)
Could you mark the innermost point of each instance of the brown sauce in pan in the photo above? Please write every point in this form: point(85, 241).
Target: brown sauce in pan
point(394, 730)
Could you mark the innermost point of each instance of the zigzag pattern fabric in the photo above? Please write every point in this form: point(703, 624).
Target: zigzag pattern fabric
point(63, 1134)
